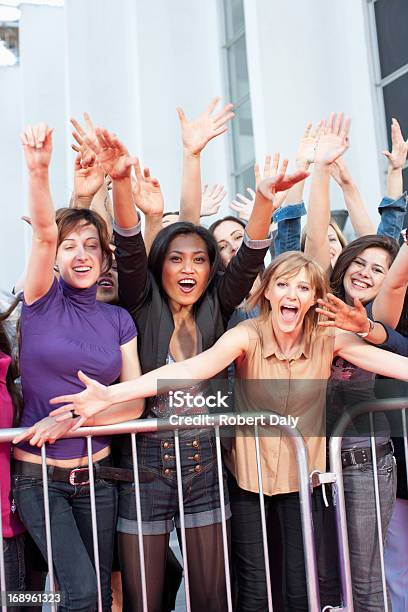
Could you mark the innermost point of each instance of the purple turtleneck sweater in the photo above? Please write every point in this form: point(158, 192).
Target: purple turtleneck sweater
point(65, 331)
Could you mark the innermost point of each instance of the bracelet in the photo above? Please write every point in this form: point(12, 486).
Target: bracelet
point(370, 329)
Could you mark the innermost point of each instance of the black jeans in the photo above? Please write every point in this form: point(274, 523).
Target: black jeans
point(71, 535)
point(248, 556)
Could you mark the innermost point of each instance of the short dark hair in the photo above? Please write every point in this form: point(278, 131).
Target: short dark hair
point(67, 220)
point(218, 222)
point(162, 242)
point(353, 250)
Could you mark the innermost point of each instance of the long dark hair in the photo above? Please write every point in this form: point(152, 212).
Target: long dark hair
point(12, 373)
point(218, 222)
point(162, 242)
point(353, 250)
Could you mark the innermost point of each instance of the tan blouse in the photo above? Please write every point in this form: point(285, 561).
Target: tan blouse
point(267, 381)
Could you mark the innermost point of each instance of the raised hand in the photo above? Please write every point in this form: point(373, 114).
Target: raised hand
point(333, 139)
point(146, 192)
point(79, 134)
point(340, 172)
point(85, 404)
point(47, 430)
point(278, 181)
point(243, 205)
point(270, 171)
point(37, 145)
point(398, 155)
point(111, 154)
point(350, 318)
point(88, 179)
point(211, 200)
point(307, 146)
point(196, 134)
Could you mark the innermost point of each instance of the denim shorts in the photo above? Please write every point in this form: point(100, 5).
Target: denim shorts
point(158, 485)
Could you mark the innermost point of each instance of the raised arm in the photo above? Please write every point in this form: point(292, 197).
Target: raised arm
point(394, 205)
point(211, 199)
point(195, 136)
point(148, 198)
point(97, 398)
point(363, 355)
point(359, 217)
point(37, 145)
point(332, 143)
point(396, 160)
point(388, 304)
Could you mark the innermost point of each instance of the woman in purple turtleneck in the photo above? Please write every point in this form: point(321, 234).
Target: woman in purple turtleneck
point(63, 330)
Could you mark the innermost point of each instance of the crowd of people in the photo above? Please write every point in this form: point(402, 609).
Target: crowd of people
point(106, 322)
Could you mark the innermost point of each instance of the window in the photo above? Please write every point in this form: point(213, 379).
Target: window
point(243, 152)
point(388, 20)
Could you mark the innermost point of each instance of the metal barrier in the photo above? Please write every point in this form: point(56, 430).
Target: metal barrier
point(335, 476)
point(156, 425)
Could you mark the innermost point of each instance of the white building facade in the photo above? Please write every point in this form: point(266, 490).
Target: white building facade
point(129, 63)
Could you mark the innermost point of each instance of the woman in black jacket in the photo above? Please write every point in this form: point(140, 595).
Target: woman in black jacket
point(181, 304)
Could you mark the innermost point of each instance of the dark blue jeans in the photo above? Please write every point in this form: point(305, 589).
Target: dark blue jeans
point(71, 535)
point(14, 566)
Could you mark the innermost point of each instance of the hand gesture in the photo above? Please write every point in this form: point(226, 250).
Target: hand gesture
point(340, 172)
point(350, 318)
point(307, 146)
point(398, 155)
point(85, 404)
point(196, 134)
point(268, 172)
point(243, 205)
point(79, 134)
point(88, 179)
point(37, 145)
point(146, 192)
point(211, 200)
point(333, 139)
point(279, 182)
point(47, 430)
point(111, 154)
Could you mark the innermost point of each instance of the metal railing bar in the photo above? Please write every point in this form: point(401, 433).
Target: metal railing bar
point(94, 521)
point(139, 522)
point(223, 519)
point(181, 513)
point(378, 511)
point(263, 520)
point(47, 523)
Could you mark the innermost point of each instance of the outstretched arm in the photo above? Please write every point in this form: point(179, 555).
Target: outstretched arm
point(195, 136)
point(332, 143)
point(363, 355)
point(148, 198)
point(97, 398)
point(37, 145)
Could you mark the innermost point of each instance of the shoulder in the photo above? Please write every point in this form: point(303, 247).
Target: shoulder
point(52, 298)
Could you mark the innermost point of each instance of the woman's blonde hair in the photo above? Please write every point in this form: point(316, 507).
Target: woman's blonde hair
point(289, 264)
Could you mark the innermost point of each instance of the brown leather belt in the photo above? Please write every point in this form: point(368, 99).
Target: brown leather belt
point(74, 476)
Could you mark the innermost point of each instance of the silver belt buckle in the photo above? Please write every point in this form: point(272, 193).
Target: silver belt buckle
point(72, 480)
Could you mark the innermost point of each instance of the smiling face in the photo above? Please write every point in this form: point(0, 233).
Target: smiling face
point(229, 236)
point(108, 285)
point(335, 246)
point(365, 275)
point(290, 298)
point(79, 256)
point(186, 269)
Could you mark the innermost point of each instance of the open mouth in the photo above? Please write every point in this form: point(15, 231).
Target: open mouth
point(358, 284)
point(289, 313)
point(187, 284)
point(82, 269)
point(105, 282)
